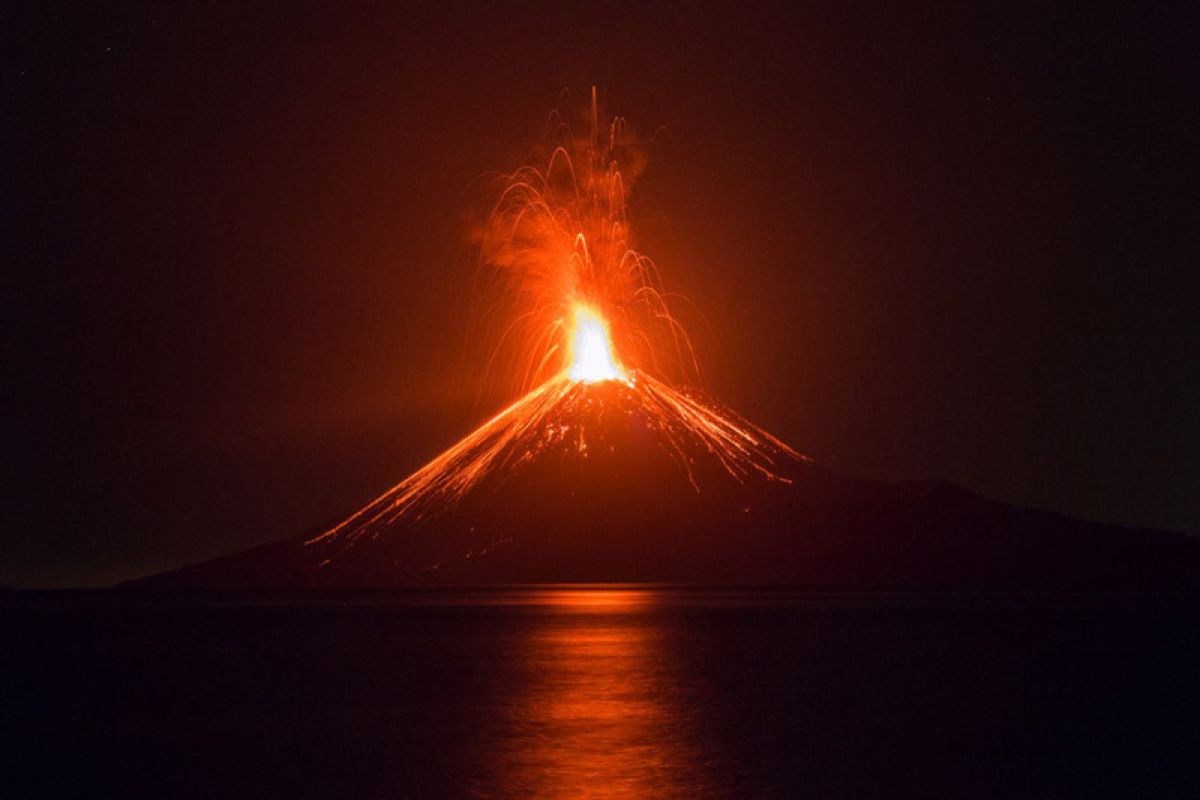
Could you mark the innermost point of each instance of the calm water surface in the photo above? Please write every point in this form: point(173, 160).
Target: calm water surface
point(621, 692)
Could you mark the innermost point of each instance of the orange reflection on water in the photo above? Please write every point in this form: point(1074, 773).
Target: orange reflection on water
point(594, 715)
point(595, 600)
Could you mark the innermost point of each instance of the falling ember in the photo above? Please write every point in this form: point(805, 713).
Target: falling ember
point(573, 294)
point(592, 359)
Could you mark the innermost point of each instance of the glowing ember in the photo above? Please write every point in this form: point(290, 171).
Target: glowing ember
point(592, 358)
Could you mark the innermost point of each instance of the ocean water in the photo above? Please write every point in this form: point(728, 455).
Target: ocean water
point(618, 691)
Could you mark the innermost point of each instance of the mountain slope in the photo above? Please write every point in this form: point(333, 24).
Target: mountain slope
point(615, 482)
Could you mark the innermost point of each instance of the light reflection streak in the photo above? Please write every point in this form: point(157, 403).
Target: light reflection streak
point(596, 711)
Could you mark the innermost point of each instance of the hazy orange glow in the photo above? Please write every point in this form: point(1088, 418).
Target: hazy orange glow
point(591, 350)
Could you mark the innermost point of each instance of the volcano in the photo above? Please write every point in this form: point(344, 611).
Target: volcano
point(629, 480)
point(606, 472)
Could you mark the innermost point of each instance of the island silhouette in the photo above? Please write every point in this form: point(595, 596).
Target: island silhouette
point(587, 482)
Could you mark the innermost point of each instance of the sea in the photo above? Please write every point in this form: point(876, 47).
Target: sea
point(622, 691)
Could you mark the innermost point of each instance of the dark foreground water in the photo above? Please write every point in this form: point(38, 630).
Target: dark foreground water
point(615, 692)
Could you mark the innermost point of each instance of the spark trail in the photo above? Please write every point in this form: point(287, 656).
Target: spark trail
point(548, 417)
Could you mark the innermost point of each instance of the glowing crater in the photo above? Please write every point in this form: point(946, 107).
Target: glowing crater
point(591, 352)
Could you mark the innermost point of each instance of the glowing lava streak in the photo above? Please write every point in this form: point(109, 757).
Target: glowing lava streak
point(592, 358)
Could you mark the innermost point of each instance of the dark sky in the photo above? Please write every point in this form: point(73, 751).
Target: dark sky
point(953, 243)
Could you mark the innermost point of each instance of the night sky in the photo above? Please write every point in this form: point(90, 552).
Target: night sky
point(949, 243)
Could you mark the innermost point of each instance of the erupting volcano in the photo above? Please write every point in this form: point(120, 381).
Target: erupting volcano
point(611, 467)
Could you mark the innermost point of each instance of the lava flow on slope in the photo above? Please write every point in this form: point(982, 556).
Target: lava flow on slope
point(569, 474)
